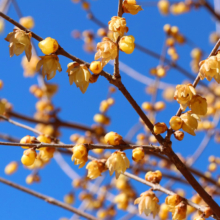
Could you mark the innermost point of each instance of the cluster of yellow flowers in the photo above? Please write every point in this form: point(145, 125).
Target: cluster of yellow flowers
point(176, 8)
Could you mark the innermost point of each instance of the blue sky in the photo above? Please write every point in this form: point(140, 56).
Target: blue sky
point(58, 19)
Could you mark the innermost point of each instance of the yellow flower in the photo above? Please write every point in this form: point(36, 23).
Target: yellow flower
point(198, 105)
point(118, 26)
point(160, 128)
point(153, 177)
point(148, 202)
point(50, 65)
point(79, 74)
point(29, 67)
point(163, 6)
point(11, 168)
point(190, 122)
point(179, 212)
point(138, 154)
point(106, 51)
point(184, 94)
point(80, 155)
point(27, 22)
point(113, 138)
point(20, 41)
point(130, 6)
point(95, 168)
point(48, 45)
point(126, 44)
point(117, 162)
point(122, 201)
point(210, 68)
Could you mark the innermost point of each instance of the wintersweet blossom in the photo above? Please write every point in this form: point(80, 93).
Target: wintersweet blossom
point(190, 122)
point(184, 94)
point(210, 68)
point(148, 203)
point(117, 162)
point(118, 26)
point(106, 51)
point(130, 6)
point(20, 41)
point(50, 64)
point(79, 74)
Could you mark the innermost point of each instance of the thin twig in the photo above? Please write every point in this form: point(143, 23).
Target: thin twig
point(47, 199)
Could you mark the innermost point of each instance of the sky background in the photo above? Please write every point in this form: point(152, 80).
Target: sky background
point(57, 19)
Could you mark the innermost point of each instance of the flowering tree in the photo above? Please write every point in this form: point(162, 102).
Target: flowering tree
point(96, 148)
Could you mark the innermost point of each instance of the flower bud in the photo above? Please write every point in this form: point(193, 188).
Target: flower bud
point(28, 157)
point(163, 6)
point(28, 140)
point(112, 138)
point(69, 199)
point(158, 106)
point(126, 44)
point(147, 106)
point(153, 177)
point(179, 135)
point(160, 128)
point(44, 139)
point(138, 154)
point(96, 67)
point(48, 45)
point(11, 168)
point(103, 106)
point(102, 119)
point(176, 123)
point(27, 22)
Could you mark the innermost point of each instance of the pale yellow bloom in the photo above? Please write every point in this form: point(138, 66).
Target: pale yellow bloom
point(20, 41)
point(106, 51)
point(190, 122)
point(198, 105)
point(117, 162)
point(95, 168)
point(210, 68)
point(80, 155)
point(50, 64)
point(11, 168)
point(179, 212)
point(153, 177)
point(148, 203)
point(118, 26)
point(184, 94)
point(122, 201)
point(79, 74)
point(130, 6)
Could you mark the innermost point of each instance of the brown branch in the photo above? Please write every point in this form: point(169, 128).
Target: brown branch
point(116, 74)
point(57, 122)
point(205, 4)
point(47, 199)
point(158, 187)
point(88, 146)
point(193, 182)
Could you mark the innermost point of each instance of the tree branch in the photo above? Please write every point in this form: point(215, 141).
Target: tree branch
point(47, 199)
